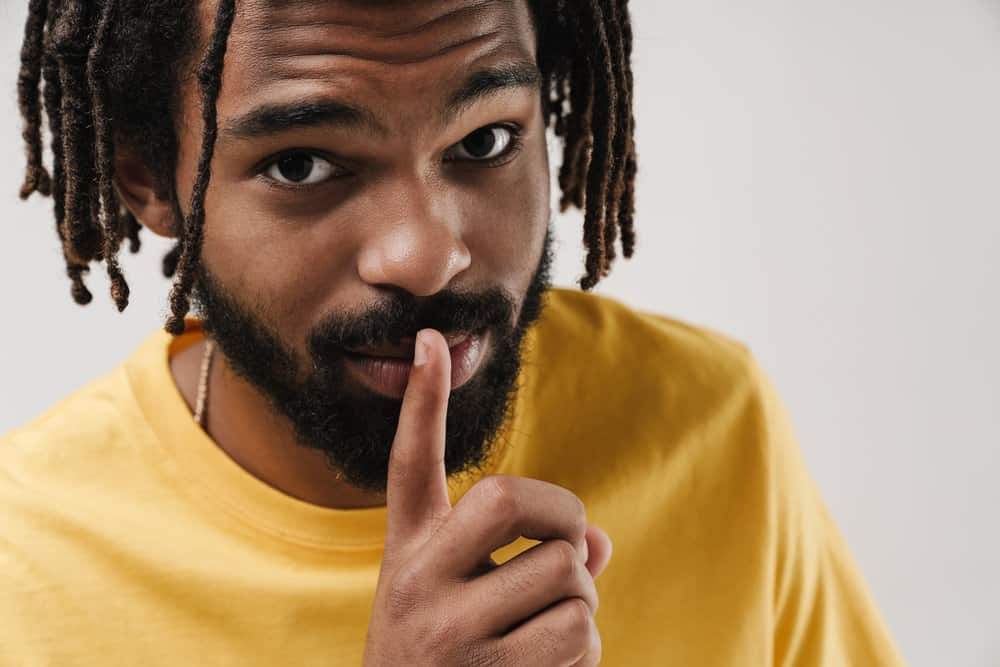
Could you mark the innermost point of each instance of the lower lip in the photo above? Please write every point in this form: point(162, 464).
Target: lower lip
point(388, 376)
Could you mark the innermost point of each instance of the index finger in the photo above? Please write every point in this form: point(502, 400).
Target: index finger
point(416, 486)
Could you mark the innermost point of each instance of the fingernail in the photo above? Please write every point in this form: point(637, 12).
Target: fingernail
point(419, 351)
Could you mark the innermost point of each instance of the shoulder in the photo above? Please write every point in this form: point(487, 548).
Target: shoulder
point(654, 407)
point(611, 387)
point(621, 354)
point(72, 437)
point(612, 326)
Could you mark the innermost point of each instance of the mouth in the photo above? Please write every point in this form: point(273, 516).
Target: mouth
point(385, 369)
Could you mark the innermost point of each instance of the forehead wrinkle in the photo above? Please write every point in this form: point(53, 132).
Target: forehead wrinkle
point(310, 32)
point(474, 8)
point(380, 18)
point(320, 49)
point(298, 64)
point(493, 71)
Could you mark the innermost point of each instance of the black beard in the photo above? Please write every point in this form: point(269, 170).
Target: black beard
point(353, 426)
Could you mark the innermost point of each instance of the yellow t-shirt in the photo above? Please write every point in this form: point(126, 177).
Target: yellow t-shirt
point(127, 537)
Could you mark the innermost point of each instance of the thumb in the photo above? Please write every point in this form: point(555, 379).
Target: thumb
point(416, 485)
point(599, 548)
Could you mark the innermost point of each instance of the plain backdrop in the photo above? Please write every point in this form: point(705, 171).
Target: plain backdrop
point(820, 180)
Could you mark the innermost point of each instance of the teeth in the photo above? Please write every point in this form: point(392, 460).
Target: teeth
point(456, 339)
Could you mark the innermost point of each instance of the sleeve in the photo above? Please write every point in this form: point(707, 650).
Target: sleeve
point(823, 614)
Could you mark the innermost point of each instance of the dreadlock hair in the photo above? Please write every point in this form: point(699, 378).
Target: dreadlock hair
point(112, 70)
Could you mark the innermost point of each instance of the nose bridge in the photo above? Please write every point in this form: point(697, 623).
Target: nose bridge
point(416, 240)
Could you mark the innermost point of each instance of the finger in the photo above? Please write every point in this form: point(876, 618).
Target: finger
point(527, 584)
point(496, 511)
point(599, 550)
point(592, 657)
point(559, 635)
point(417, 486)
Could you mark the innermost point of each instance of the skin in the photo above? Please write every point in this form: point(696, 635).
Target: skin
point(440, 599)
point(404, 217)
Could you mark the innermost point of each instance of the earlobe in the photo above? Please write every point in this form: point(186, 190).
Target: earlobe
point(141, 192)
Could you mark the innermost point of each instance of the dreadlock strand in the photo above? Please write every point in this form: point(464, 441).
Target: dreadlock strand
point(171, 259)
point(130, 230)
point(93, 203)
point(559, 106)
point(210, 81)
point(555, 97)
point(105, 201)
point(53, 102)
point(619, 148)
point(52, 97)
point(71, 34)
point(573, 72)
point(36, 178)
point(576, 152)
point(627, 216)
point(628, 212)
point(554, 64)
point(603, 130)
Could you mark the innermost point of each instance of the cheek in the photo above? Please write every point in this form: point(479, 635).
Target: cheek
point(505, 224)
point(284, 270)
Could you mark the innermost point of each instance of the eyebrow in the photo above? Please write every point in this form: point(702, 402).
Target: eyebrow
point(271, 119)
point(491, 81)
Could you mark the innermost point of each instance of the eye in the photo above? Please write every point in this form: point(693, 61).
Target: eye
point(300, 169)
point(485, 144)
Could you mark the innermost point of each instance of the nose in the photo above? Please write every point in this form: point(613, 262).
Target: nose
point(416, 242)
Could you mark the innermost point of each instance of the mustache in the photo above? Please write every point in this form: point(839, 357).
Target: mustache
point(402, 315)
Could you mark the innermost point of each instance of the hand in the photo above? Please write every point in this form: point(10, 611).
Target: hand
point(441, 599)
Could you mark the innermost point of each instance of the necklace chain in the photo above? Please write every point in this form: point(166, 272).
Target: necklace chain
point(202, 400)
point(206, 365)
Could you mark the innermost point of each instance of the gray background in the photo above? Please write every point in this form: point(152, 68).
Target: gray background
point(818, 179)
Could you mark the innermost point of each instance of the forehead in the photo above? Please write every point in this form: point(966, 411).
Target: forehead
point(365, 49)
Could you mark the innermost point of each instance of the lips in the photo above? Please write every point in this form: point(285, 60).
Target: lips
point(405, 348)
point(385, 369)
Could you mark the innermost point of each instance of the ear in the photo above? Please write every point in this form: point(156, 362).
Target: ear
point(143, 194)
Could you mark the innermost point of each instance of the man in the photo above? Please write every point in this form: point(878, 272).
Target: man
point(386, 440)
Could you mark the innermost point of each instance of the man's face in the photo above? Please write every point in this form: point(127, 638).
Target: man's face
point(380, 167)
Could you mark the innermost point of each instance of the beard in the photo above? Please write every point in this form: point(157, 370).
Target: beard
point(353, 426)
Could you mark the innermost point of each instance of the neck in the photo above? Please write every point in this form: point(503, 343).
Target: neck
point(243, 423)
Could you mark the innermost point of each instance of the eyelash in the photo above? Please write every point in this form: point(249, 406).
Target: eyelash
point(513, 148)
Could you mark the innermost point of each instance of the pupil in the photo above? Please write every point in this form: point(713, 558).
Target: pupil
point(480, 142)
point(296, 167)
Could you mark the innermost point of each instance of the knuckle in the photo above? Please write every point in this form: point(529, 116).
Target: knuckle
point(479, 654)
point(442, 634)
point(501, 496)
point(566, 559)
point(579, 620)
point(402, 604)
point(406, 595)
point(583, 587)
point(594, 652)
point(547, 642)
point(596, 648)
